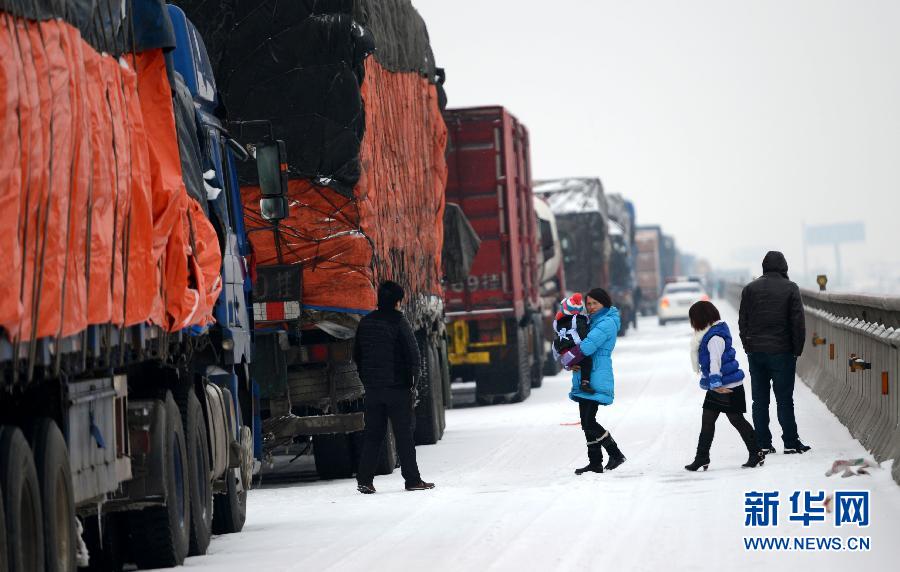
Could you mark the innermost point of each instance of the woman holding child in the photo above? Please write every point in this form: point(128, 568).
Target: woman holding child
point(597, 390)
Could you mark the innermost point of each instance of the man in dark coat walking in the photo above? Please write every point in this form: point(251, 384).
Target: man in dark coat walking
point(773, 331)
point(387, 357)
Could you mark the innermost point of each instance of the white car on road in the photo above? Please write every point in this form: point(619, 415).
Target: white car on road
point(677, 298)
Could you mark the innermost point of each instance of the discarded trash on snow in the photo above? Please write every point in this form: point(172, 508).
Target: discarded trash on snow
point(846, 467)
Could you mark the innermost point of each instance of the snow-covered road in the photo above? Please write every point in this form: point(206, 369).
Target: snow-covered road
point(507, 498)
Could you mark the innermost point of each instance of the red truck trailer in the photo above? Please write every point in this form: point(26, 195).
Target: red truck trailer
point(494, 316)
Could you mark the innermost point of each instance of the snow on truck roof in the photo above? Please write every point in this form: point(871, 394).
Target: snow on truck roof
point(573, 195)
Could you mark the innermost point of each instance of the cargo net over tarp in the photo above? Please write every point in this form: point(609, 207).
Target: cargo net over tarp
point(365, 140)
point(96, 226)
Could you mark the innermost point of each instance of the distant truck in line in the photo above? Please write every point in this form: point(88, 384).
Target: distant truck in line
point(596, 238)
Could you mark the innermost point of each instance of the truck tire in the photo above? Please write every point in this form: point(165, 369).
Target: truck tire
point(3, 553)
point(51, 459)
point(523, 359)
point(387, 457)
point(334, 456)
point(230, 507)
point(431, 400)
point(551, 366)
point(537, 368)
point(160, 535)
point(445, 374)
point(22, 501)
point(198, 470)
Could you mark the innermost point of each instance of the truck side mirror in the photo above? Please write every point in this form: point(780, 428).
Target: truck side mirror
point(271, 165)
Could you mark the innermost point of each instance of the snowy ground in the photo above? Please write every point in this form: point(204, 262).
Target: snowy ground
point(507, 499)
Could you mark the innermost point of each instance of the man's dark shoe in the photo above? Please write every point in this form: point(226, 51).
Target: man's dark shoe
point(768, 450)
point(366, 489)
point(797, 449)
point(420, 486)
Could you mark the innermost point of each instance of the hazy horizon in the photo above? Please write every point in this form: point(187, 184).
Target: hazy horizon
point(730, 124)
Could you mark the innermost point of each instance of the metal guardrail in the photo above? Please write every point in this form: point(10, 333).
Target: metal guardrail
point(852, 363)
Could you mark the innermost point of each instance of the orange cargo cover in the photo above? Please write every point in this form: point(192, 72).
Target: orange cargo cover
point(392, 227)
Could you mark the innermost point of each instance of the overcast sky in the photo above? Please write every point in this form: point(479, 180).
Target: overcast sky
point(730, 123)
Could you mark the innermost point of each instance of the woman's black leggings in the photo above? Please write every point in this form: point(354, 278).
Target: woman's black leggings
point(708, 429)
point(587, 410)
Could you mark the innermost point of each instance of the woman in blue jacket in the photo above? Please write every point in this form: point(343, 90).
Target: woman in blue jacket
point(599, 344)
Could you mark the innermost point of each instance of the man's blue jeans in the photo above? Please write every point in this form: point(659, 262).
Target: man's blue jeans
point(768, 373)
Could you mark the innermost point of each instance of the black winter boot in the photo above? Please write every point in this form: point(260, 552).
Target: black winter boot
point(699, 461)
point(616, 457)
point(757, 455)
point(702, 457)
point(595, 459)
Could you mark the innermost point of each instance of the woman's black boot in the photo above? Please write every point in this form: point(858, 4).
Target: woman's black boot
point(757, 455)
point(616, 457)
point(699, 461)
point(595, 459)
point(702, 457)
point(756, 459)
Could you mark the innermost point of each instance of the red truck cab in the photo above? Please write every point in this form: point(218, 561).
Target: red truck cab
point(494, 316)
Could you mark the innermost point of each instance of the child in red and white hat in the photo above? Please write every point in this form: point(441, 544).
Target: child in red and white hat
point(571, 326)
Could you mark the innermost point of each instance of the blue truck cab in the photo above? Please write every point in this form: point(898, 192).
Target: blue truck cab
point(219, 153)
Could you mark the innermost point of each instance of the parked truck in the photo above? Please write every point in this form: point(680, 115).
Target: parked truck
point(353, 90)
point(495, 315)
point(127, 409)
point(552, 278)
point(622, 278)
point(648, 240)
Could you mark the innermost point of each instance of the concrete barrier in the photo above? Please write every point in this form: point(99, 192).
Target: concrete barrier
point(852, 363)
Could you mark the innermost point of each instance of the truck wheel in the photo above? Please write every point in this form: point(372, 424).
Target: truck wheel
point(537, 366)
point(160, 535)
point(551, 366)
point(22, 501)
point(51, 459)
point(387, 457)
point(445, 374)
point(230, 507)
point(3, 552)
point(662, 322)
point(523, 357)
point(431, 403)
point(198, 468)
point(334, 456)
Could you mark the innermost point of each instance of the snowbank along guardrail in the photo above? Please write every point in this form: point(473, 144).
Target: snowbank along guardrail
point(852, 362)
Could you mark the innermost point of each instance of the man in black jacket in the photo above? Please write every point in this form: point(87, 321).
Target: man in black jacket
point(387, 357)
point(773, 331)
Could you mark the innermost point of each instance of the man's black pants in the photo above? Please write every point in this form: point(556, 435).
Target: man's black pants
point(394, 403)
point(773, 373)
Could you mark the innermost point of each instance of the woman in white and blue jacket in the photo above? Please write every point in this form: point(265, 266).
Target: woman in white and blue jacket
point(715, 359)
point(598, 344)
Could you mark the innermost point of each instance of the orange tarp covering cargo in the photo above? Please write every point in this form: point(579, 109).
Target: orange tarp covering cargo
point(96, 226)
point(392, 226)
